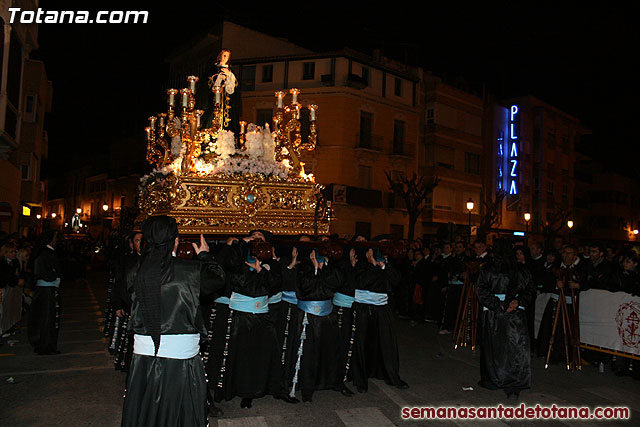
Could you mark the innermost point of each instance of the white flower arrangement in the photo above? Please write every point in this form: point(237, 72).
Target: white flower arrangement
point(225, 144)
point(258, 158)
point(250, 165)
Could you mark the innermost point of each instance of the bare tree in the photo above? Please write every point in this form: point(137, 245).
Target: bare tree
point(491, 214)
point(552, 227)
point(414, 192)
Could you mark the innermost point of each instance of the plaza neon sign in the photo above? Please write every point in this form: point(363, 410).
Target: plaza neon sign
point(514, 151)
point(500, 150)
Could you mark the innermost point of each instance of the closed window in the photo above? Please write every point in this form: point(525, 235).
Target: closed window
point(430, 116)
point(366, 127)
point(397, 87)
point(267, 73)
point(365, 75)
point(309, 71)
point(248, 77)
point(472, 163)
point(398, 136)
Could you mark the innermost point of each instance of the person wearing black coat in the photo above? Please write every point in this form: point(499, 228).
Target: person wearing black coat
point(628, 280)
point(44, 316)
point(599, 270)
point(505, 287)
point(166, 385)
point(251, 365)
point(375, 352)
point(316, 333)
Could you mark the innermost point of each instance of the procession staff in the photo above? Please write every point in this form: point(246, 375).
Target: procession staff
point(574, 269)
point(289, 315)
point(166, 385)
point(376, 346)
point(343, 312)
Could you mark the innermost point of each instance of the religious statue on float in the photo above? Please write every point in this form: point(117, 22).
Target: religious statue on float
point(224, 86)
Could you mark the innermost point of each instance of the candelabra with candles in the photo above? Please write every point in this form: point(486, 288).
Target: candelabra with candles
point(216, 182)
point(287, 132)
point(163, 127)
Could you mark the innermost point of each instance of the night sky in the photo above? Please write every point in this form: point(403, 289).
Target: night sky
point(107, 78)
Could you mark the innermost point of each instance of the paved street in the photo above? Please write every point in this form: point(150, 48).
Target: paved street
point(80, 387)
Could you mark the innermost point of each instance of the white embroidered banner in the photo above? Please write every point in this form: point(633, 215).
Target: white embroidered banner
point(607, 319)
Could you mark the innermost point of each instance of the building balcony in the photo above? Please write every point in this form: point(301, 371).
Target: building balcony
point(370, 142)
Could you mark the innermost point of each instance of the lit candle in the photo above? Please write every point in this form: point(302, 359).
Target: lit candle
point(242, 125)
point(192, 83)
point(312, 111)
point(280, 96)
point(152, 122)
point(161, 120)
point(199, 114)
point(185, 97)
point(148, 132)
point(294, 96)
point(172, 97)
point(297, 111)
point(218, 92)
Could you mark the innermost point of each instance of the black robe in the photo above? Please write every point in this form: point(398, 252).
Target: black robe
point(163, 391)
point(505, 353)
point(375, 353)
point(320, 349)
point(44, 314)
point(252, 366)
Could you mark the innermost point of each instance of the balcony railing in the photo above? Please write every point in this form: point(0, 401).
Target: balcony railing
point(370, 142)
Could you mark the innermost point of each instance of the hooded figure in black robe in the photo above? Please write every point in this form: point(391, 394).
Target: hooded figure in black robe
point(505, 287)
point(167, 384)
point(44, 314)
point(375, 353)
point(251, 365)
point(316, 332)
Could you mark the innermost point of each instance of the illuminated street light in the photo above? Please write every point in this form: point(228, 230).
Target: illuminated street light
point(527, 218)
point(470, 205)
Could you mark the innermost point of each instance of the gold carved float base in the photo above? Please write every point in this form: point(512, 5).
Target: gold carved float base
point(229, 205)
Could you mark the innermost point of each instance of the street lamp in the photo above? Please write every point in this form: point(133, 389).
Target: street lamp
point(470, 205)
point(527, 218)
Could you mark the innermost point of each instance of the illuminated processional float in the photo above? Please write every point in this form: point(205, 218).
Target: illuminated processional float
point(213, 181)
